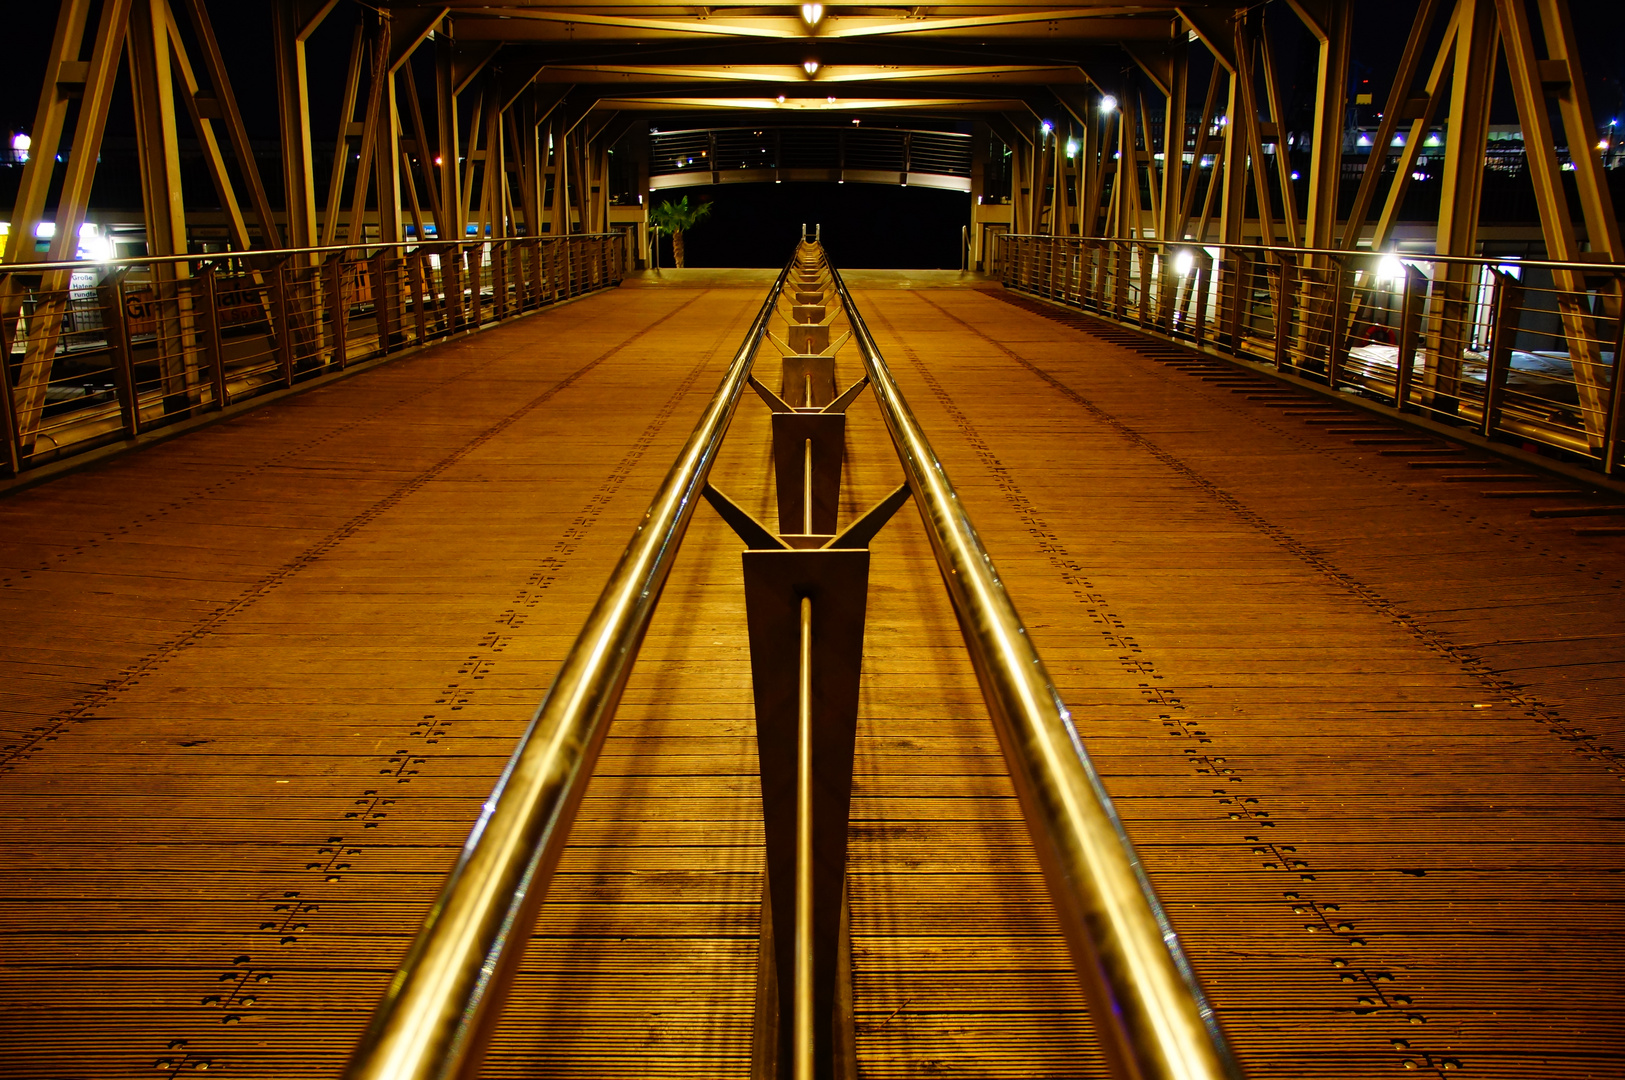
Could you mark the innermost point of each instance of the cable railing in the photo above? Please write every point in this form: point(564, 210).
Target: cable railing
point(95, 353)
point(805, 596)
point(1515, 350)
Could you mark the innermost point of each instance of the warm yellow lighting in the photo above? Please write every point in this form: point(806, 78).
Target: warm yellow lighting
point(810, 67)
point(811, 13)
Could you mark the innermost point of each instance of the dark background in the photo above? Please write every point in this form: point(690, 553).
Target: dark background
point(865, 226)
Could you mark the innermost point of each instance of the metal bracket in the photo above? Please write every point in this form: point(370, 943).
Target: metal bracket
point(809, 379)
point(755, 535)
point(848, 396)
point(860, 532)
point(774, 401)
point(807, 452)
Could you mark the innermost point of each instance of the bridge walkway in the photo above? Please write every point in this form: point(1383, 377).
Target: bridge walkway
point(1362, 721)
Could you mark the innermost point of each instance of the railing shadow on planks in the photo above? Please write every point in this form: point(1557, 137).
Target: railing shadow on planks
point(805, 590)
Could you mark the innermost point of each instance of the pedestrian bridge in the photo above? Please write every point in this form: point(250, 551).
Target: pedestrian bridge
point(1354, 690)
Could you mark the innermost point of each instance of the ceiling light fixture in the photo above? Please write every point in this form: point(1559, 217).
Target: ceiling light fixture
point(812, 13)
point(810, 67)
point(1108, 104)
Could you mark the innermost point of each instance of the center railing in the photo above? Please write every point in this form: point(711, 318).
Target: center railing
point(804, 593)
point(92, 353)
point(1515, 350)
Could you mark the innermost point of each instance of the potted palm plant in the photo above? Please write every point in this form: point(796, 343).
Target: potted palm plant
point(675, 216)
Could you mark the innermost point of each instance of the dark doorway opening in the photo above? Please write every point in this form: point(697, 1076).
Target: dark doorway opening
point(866, 226)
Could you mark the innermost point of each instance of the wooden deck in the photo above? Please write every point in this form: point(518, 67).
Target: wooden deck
point(1363, 723)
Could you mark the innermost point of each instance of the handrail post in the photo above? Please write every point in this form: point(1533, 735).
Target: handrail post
point(1616, 396)
point(1201, 279)
point(1410, 331)
point(442, 1006)
point(211, 333)
point(499, 279)
point(338, 310)
point(1284, 287)
point(415, 279)
point(8, 402)
point(1505, 300)
point(117, 321)
point(284, 324)
point(1337, 343)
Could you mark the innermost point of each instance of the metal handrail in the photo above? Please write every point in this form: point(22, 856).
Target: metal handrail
point(1148, 1009)
point(444, 1001)
point(257, 253)
point(1342, 253)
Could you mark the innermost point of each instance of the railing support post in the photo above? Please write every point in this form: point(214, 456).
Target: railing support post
point(1337, 341)
point(1505, 301)
point(1616, 399)
point(284, 323)
point(8, 402)
point(805, 612)
point(451, 271)
point(210, 283)
point(1284, 288)
point(415, 275)
point(385, 298)
point(1236, 270)
point(1411, 303)
point(338, 309)
point(117, 321)
point(1201, 277)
